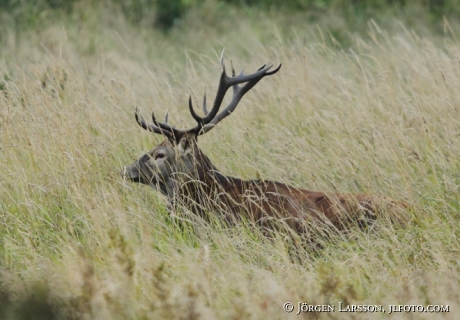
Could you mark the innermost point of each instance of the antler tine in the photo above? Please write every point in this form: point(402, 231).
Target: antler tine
point(205, 110)
point(238, 92)
point(269, 73)
point(166, 117)
point(222, 64)
point(166, 127)
point(163, 126)
point(225, 83)
point(152, 128)
point(192, 111)
point(222, 89)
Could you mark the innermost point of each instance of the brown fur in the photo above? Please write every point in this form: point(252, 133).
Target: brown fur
point(199, 186)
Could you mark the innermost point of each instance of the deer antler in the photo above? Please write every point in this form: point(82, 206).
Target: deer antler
point(211, 118)
point(157, 127)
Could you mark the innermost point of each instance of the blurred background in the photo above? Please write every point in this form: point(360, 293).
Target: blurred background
point(167, 15)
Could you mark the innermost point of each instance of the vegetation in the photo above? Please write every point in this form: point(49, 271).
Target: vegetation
point(165, 14)
point(374, 111)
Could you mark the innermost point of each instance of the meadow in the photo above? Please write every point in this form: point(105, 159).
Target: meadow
point(378, 113)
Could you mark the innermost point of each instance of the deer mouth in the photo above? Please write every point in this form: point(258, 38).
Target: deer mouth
point(131, 174)
point(134, 174)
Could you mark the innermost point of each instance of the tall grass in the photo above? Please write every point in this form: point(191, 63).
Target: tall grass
point(378, 117)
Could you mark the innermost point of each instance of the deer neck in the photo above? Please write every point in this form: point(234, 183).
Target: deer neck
point(195, 181)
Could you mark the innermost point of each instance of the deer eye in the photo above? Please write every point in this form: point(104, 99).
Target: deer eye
point(159, 156)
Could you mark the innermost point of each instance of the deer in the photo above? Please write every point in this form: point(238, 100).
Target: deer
point(180, 170)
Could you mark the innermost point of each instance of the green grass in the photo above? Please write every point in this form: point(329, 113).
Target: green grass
point(379, 116)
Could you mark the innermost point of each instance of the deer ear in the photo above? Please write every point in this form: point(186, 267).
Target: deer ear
point(185, 145)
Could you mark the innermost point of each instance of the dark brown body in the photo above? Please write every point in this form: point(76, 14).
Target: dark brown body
point(262, 201)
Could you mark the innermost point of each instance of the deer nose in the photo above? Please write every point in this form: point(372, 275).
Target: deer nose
point(130, 172)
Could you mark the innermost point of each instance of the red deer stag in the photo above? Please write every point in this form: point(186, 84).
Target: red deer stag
point(180, 170)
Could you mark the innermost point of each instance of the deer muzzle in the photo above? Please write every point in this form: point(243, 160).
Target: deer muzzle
point(131, 172)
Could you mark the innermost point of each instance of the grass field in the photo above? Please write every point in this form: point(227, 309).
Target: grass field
point(379, 116)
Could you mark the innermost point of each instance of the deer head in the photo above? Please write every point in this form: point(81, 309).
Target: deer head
point(178, 159)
